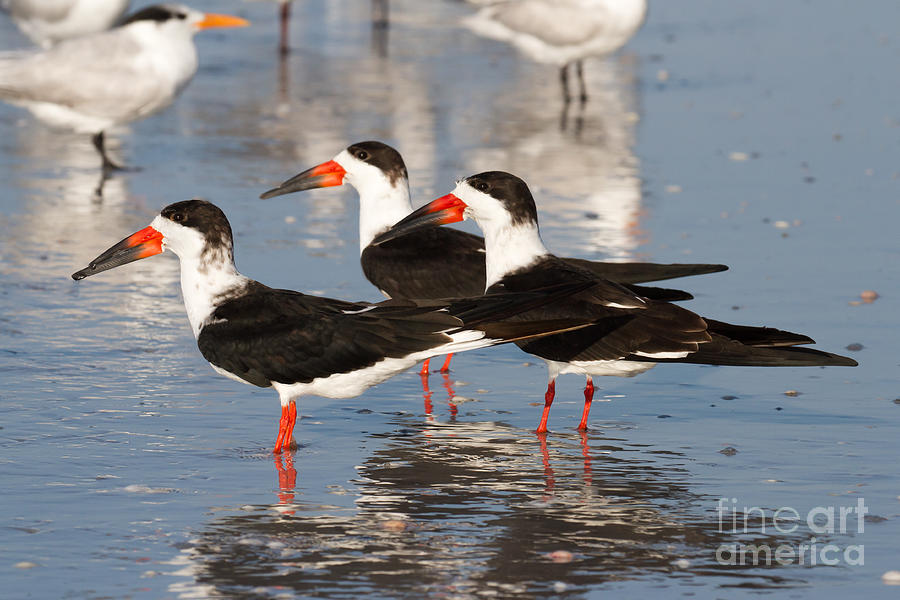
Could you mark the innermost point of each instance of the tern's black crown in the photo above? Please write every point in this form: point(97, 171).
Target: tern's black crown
point(157, 12)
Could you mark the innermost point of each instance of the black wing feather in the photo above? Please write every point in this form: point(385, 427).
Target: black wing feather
point(269, 335)
point(266, 335)
point(724, 351)
point(617, 332)
point(643, 272)
point(659, 328)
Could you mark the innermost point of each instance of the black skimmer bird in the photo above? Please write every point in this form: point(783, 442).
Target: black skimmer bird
point(630, 334)
point(561, 32)
point(91, 83)
point(301, 344)
point(49, 22)
point(436, 263)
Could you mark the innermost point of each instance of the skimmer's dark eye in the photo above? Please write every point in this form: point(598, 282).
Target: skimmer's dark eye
point(362, 154)
point(481, 186)
point(177, 217)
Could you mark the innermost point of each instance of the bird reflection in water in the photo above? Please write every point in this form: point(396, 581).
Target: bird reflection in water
point(287, 479)
point(380, 27)
point(440, 511)
point(427, 394)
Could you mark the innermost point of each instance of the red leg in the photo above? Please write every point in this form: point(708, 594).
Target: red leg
point(424, 370)
point(285, 439)
point(282, 428)
point(548, 400)
point(588, 398)
point(446, 366)
point(289, 443)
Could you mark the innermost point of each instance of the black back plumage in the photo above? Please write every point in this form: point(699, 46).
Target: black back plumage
point(264, 335)
point(449, 263)
point(432, 263)
point(268, 335)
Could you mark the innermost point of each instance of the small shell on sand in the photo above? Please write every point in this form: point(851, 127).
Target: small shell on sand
point(561, 556)
point(891, 578)
point(393, 525)
point(868, 296)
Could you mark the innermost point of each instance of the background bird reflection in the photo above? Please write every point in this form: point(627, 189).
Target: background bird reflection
point(446, 510)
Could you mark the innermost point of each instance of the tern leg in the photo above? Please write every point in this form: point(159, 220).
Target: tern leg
point(548, 401)
point(424, 370)
point(98, 191)
point(285, 439)
point(579, 69)
point(283, 45)
point(588, 398)
point(109, 165)
point(564, 116)
point(564, 81)
point(445, 368)
point(380, 17)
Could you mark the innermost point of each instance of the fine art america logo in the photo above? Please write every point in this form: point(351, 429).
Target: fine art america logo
point(766, 525)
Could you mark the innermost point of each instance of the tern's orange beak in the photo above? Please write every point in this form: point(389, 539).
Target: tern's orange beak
point(446, 209)
point(142, 244)
point(328, 174)
point(211, 20)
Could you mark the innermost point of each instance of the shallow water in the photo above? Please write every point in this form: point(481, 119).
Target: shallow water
point(724, 133)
